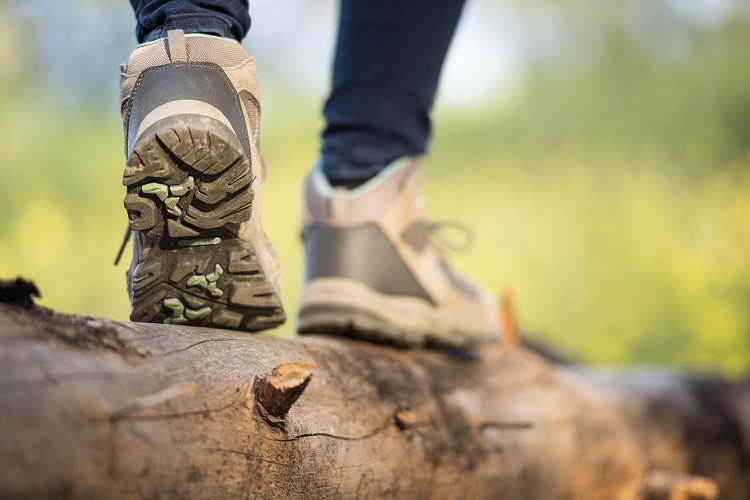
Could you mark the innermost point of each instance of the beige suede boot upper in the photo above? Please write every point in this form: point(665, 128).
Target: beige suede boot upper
point(370, 256)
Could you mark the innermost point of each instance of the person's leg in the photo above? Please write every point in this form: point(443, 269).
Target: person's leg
point(191, 112)
point(389, 54)
point(224, 18)
point(371, 268)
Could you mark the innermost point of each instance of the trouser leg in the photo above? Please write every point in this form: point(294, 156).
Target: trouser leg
point(389, 55)
point(226, 18)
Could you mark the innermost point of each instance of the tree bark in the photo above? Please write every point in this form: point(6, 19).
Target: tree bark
point(91, 408)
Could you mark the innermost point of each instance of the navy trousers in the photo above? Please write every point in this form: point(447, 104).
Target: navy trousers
point(389, 54)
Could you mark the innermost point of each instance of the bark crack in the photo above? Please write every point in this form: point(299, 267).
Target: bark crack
point(248, 455)
point(117, 416)
point(168, 416)
point(49, 381)
point(506, 425)
point(183, 349)
point(370, 434)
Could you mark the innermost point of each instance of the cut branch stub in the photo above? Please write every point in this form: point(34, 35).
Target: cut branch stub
point(280, 389)
point(405, 418)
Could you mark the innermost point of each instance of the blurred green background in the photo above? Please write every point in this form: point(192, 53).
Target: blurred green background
point(599, 150)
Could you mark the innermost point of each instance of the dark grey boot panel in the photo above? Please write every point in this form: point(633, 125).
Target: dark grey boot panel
point(203, 82)
point(363, 254)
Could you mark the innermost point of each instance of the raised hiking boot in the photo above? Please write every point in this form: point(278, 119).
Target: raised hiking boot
point(200, 256)
point(373, 272)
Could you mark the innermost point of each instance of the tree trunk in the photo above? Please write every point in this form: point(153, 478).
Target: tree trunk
point(91, 408)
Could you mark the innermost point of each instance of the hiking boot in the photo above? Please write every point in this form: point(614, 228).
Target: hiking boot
point(191, 112)
point(373, 272)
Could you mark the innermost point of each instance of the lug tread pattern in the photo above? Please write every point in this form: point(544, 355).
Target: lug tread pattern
point(193, 233)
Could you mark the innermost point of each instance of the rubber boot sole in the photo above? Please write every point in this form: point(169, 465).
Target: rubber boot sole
point(189, 189)
point(341, 306)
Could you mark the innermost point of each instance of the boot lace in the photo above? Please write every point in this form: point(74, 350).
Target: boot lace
point(450, 235)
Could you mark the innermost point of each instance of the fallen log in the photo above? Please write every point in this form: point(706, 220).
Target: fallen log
point(91, 408)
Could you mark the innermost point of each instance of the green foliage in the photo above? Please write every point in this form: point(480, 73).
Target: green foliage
point(615, 201)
